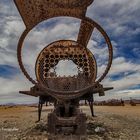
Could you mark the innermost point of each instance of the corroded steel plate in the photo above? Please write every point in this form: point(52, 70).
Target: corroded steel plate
point(51, 55)
point(35, 11)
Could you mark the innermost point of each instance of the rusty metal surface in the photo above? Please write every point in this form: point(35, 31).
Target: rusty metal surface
point(51, 55)
point(85, 32)
point(35, 11)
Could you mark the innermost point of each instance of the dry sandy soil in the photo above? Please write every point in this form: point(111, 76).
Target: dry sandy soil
point(116, 123)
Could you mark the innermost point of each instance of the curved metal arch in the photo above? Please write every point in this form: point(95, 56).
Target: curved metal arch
point(93, 23)
point(110, 48)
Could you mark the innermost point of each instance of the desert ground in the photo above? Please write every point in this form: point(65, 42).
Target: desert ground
point(110, 123)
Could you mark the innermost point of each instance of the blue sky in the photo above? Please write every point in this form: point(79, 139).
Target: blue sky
point(119, 18)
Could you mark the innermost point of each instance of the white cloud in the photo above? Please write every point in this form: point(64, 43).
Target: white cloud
point(115, 15)
point(13, 25)
point(67, 68)
point(128, 74)
point(121, 65)
point(14, 84)
point(11, 87)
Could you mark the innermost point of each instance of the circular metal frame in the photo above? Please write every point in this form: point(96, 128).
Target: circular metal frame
point(54, 44)
point(69, 94)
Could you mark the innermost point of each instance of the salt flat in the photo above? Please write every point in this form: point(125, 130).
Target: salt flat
point(119, 122)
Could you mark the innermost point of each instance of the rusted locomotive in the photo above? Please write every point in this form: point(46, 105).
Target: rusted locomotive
point(64, 91)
